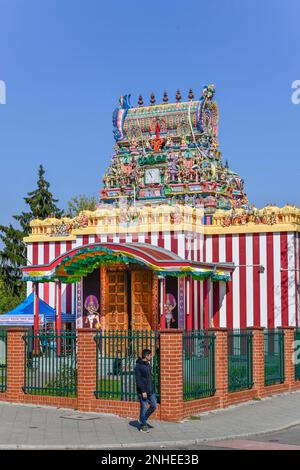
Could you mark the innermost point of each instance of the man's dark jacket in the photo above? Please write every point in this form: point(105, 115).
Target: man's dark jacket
point(143, 377)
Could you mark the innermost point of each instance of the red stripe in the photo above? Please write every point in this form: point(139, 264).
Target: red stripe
point(284, 279)
point(199, 303)
point(135, 238)
point(270, 280)
point(148, 238)
point(174, 242)
point(85, 240)
point(216, 285)
point(229, 295)
point(296, 278)
point(256, 280)
point(46, 261)
point(204, 248)
point(35, 253)
point(69, 286)
point(57, 249)
point(160, 241)
point(243, 283)
point(205, 305)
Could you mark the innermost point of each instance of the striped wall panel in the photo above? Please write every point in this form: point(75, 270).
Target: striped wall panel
point(267, 299)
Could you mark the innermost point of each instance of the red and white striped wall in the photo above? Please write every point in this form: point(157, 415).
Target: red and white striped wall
point(267, 299)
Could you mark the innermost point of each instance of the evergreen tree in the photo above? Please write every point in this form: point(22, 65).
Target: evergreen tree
point(41, 204)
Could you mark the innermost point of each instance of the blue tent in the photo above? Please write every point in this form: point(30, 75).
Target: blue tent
point(23, 314)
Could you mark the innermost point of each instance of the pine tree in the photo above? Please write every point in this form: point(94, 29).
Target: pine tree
point(41, 204)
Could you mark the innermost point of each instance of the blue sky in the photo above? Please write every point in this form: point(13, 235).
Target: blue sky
point(65, 63)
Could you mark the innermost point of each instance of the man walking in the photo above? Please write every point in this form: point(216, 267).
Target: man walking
point(145, 389)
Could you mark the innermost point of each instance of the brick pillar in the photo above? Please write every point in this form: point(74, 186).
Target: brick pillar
point(289, 366)
point(15, 364)
point(221, 364)
point(171, 375)
point(258, 360)
point(86, 360)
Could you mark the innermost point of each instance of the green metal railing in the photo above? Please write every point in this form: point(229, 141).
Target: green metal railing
point(116, 355)
point(296, 354)
point(274, 357)
point(240, 369)
point(50, 364)
point(198, 364)
point(3, 360)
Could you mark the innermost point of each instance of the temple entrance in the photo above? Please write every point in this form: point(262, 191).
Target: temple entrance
point(125, 298)
point(116, 301)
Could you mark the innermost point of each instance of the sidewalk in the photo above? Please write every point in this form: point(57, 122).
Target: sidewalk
point(28, 426)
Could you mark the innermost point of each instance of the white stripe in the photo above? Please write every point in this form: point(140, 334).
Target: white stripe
point(291, 279)
point(41, 261)
point(181, 245)
point(167, 241)
point(29, 262)
point(222, 249)
point(249, 279)
point(222, 304)
point(277, 280)
point(263, 280)
point(141, 238)
point(51, 284)
point(103, 238)
point(236, 282)
point(116, 239)
point(210, 300)
point(79, 240)
point(92, 239)
point(208, 250)
point(154, 238)
point(128, 238)
point(200, 246)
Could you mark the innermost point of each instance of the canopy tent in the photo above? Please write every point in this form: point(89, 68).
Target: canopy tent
point(23, 314)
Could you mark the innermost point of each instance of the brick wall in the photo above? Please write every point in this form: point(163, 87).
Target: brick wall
point(172, 406)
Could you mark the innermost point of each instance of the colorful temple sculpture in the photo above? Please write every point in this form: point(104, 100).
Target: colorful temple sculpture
point(174, 242)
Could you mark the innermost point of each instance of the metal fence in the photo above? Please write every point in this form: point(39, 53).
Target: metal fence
point(116, 356)
point(240, 370)
point(50, 364)
point(198, 364)
point(296, 354)
point(274, 357)
point(3, 360)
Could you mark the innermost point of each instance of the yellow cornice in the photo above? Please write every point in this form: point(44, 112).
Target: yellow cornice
point(164, 218)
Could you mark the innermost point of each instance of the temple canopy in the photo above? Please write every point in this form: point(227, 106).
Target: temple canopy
point(79, 262)
point(23, 314)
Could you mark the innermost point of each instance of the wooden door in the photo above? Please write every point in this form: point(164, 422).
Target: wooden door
point(141, 300)
point(116, 301)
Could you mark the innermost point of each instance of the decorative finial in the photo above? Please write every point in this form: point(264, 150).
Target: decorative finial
point(191, 95)
point(165, 97)
point(140, 101)
point(152, 99)
point(178, 96)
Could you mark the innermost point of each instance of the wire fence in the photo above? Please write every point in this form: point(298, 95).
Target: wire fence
point(240, 361)
point(3, 360)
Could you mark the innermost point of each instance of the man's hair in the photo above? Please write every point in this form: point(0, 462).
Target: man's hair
point(145, 353)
